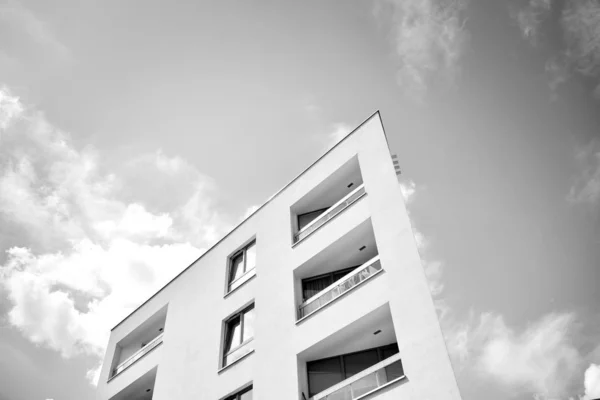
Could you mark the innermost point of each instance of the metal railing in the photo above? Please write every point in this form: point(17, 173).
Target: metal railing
point(340, 287)
point(331, 212)
point(365, 382)
point(151, 345)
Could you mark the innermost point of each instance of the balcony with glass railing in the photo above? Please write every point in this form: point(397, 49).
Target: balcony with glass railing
point(154, 343)
point(138, 343)
point(366, 382)
point(340, 287)
point(330, 213)
point(326, 200)
point(354, 361)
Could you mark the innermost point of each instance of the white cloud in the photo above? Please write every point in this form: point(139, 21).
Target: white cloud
point(530, 18)
point(10, 108)
point(337, 132)
point(541, 359)
point(408, 189)
point(92, 249)
point(429, 39)
point(581, 27)
point(592, 382)
point(585, 188)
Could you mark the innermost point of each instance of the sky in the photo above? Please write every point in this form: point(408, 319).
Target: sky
point(133, 135)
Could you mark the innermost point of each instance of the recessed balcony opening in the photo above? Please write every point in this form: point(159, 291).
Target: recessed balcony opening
point(139, 342)
point(328, 199)
point(353, 363)
point(343, 266)
point(141, 389)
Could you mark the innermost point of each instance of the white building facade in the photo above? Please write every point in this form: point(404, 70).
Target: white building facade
point(319, 294)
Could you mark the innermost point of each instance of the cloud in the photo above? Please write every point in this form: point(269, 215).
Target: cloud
point(434, 268)
point(580, 21)
point(541, 359)
point(429, 38)
point(529, 19)
point(585, 188)
point(592, 382)
point(92, 247)
point(337, 132)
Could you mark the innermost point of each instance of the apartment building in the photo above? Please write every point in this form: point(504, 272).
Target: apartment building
point(319, 294)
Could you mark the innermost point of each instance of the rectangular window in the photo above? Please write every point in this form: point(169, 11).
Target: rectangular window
point(239, 332)
point(324, 373)
point(241, 266)
point(245, 394)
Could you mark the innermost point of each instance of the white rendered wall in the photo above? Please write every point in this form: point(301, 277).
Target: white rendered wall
point(190, 355)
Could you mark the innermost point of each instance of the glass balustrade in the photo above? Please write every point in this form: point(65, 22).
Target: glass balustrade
point(138, 354)
point(365, 382)
point(330, 213)
point(340, 287)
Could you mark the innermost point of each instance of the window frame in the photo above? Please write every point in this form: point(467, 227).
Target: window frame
point(238, 395)
point(226, 331)
point(229, 278)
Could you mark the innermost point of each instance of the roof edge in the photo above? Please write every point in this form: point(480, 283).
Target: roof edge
point(254, 212)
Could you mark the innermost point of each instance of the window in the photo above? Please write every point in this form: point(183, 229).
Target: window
point(241, 266)
point(307, 218)
point(324, 373)
point(245, 394)
point(312, 286)
point(239, 332)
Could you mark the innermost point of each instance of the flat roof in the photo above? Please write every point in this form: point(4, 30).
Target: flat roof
point(255, 211)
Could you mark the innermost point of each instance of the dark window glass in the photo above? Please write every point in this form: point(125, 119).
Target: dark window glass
point(389, 350)
point(245, 394)
point(234, 334)
point(354, 363)
point(241, 263)
point(323, 374)
point(239, 331)
point(237, 267)
point(312, 286)
point(307, 218)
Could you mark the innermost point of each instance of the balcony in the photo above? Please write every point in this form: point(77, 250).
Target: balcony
point(366, 382)
point(157, 341)
point(339, 268)
point(140, 389)
point(340, 287)
point(354, 361)
point(327, 200)
point(330, 213)
point(138, 344)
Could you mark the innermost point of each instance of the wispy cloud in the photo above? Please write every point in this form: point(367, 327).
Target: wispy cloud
point(581, 25)
point(585, 188)
point(530, 18)
point(90, 249)
point(428, 37)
